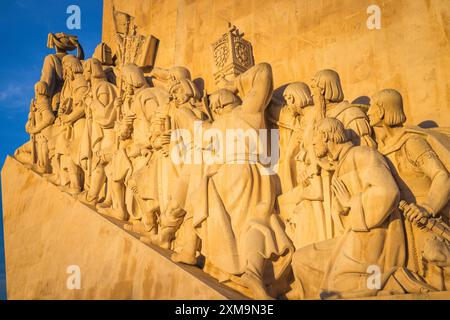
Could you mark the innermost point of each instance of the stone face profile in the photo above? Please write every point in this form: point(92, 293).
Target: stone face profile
point(356, 205)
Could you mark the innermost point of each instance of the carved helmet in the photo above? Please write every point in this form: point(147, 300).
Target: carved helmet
point(65, 42)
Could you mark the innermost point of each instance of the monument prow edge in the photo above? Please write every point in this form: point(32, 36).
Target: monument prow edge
point(50, 238)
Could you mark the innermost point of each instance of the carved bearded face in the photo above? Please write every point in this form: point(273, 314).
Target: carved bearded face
point(178, 94)
point(320, 144)
point(375, 114)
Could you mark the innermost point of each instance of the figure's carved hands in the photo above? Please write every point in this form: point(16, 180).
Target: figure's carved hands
point(223, 83)
point(341, 192)
point(318, 98)
point(30, 129)
point(146, 152)
point(133, 186)
point(118, 102)
point(304, 178)
point(64, 118)
point(84, 164)
point(415, 214)
point(316, 91)
point(134, 151)
point(162, 140)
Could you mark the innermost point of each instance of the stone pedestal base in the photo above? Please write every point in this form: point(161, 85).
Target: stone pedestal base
point(49, 236)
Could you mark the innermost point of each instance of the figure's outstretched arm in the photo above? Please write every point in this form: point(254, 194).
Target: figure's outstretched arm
point(255, 87)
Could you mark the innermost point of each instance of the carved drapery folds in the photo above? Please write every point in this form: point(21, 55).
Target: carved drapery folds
point(355, 194)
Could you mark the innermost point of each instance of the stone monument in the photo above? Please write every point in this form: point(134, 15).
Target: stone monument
point(185, 160)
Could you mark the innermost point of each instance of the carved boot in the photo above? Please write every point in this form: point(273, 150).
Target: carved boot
point(87, 200)
point(118, 209)
point(162, 239)
point(253, 279)
point(104, 205)
point(189, 251)
point(139, 227)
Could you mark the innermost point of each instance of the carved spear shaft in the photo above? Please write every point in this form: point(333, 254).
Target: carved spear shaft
point(434, 225)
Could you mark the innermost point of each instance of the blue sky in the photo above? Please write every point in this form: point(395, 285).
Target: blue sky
point(24, 25)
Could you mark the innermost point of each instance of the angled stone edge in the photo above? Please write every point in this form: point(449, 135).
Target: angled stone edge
point(50, 236)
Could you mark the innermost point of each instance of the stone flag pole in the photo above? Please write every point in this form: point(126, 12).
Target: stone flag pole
point(291, 149)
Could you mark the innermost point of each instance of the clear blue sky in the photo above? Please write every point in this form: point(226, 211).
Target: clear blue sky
point(24, 25)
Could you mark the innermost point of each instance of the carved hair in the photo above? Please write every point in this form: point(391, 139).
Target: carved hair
point(41, 88)
point(330, 82)
point(73, 63)
point(133, 75)
point(391, 101)
point(94, 66)
point(301, 92)
point(334, 129)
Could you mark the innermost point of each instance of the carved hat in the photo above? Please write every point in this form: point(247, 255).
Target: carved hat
point(330, 82)
point(133, 75)
point(94, 67)
point(65, 42)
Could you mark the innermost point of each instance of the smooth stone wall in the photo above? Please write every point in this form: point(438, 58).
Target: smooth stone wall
point(410, 53)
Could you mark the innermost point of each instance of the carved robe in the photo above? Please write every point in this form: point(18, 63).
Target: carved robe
point(373, 236)
point(52, 74)
point(415, 164)
point(233, 202)
point(301, 206)
point(146, 177)
point(129, 159)
point(69, 141)
point(99, 136)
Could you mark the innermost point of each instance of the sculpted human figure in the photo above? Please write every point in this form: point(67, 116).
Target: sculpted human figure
point(158, 178)
point(302, 196)
point(329, 100)
point(40, 119)
point(52, 70)
point(232, 200)
point(293, 118)
point(71, 119)
point(423, 179)
point(99, 140)
point(181, 115)
point(365, 201)
point(137, 108)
